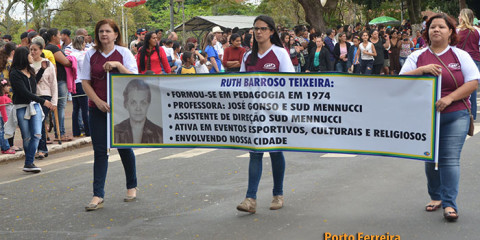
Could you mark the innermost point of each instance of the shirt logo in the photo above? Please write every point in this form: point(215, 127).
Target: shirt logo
point(270, 66)
point(454, 66)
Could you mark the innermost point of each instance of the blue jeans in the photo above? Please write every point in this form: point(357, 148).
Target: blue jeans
point(80, 104)
point(98, 123)
point(402, 61)
point(341, 66)
point(42, 145)
point(255, 173)
point(443, 184)
point(366, 66)
point(62, 103)
point(31, 130)
point(3, 142)
point(473, 97)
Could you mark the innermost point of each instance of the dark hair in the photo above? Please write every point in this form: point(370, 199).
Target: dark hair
point(163, 41)
point(5, 53)
point(175, 45)
point(298, 29)
point(191, 40)
point(313, 36)
point(49, 34)
point(7, 37)
point(139, 44)
point(98, 46)
point(136, 84)
point(235, 30)
point(234, 36)
point(189, 47)
point(274, 38)
point(3, 83)
point(246, 40)
point(358, 24)
point(451, 25)
point(143, 50)
point(158, 30)
point(20, 60)
point(329, 32)
point(283, 35)
point(186, 56)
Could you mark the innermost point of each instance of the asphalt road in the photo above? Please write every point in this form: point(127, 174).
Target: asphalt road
point(193, 193)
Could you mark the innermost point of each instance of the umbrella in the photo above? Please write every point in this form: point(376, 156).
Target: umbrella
point(134, 3)
point(384, 20)
point(475, 21)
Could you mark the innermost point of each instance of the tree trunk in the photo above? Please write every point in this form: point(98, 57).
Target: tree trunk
point(314, 12)
point(418, 11)
point(462, 4)
point(413, 11)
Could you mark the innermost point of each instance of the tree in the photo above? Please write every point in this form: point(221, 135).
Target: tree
point(314, 12)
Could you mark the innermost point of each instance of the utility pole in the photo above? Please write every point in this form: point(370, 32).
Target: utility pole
point(26, 16)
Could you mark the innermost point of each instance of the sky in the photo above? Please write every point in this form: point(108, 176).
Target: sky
point(19, 9)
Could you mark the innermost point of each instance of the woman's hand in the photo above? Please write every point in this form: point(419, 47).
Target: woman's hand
point(110, 65)
point(102, 106)
point(48, 104)
point(443, 103)
point(433, 69)
point(45, 64)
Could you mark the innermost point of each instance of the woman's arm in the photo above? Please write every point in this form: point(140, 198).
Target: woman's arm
point(462, 92)
point(101, 105)
point(164, 61)
point(60, 58)
point(214, 64)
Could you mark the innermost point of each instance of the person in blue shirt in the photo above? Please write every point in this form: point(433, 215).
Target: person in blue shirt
point(210, 42)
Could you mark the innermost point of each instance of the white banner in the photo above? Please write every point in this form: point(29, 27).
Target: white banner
point(331, 112)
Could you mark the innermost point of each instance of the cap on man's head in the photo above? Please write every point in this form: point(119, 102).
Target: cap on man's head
point(24, 35)
point(66, 32)
point(141, 30)
point(217, 29)
point(32, 34)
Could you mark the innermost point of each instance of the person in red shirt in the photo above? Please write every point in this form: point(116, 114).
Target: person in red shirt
point(4, 101)
point(151, 57)
point(233, 55)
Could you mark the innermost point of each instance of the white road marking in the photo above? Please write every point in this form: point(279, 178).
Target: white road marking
point(338, 155)
point(246, 155)
point(190, 153)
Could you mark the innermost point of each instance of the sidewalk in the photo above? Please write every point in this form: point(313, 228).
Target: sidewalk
point(52, 148)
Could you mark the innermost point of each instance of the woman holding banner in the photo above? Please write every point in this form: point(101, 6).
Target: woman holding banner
point(267, 55)
point(459, 80)
point(108, 55)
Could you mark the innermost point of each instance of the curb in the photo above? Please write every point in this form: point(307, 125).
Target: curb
point(52, 148)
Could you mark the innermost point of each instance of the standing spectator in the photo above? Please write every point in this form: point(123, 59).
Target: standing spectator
point(453, 107)
point(267, 55)
point(25, 100)
point(108, 56)
point(395, 46)
point(419, 40)
point(173, 36)
point(367, 53)
point(319, 58)
point(159, 33)
point(53, 39)
point(340, 52)
point(177, 61)
point(141, 32)
point(329, 43)
point(233, 54)
point(210, 42)
point(302, 46)
point(80, 102)
point(4, 101)
point(187, 67)
point(217, 31)
point(380, 46)
point(46, 89)
point(405, 47)
point(469, 39)
point(152, 57)
point(353, 63)
point(293, 51)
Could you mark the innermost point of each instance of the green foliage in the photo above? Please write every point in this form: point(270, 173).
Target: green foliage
point(448, 7)
point(38, 3)
point(285, 12)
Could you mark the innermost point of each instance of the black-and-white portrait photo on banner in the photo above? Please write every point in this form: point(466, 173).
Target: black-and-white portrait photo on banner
point(137, 111)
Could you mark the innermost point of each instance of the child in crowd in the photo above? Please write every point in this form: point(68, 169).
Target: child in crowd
point(203, 68)
point(188, 64)
point(4, 101)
